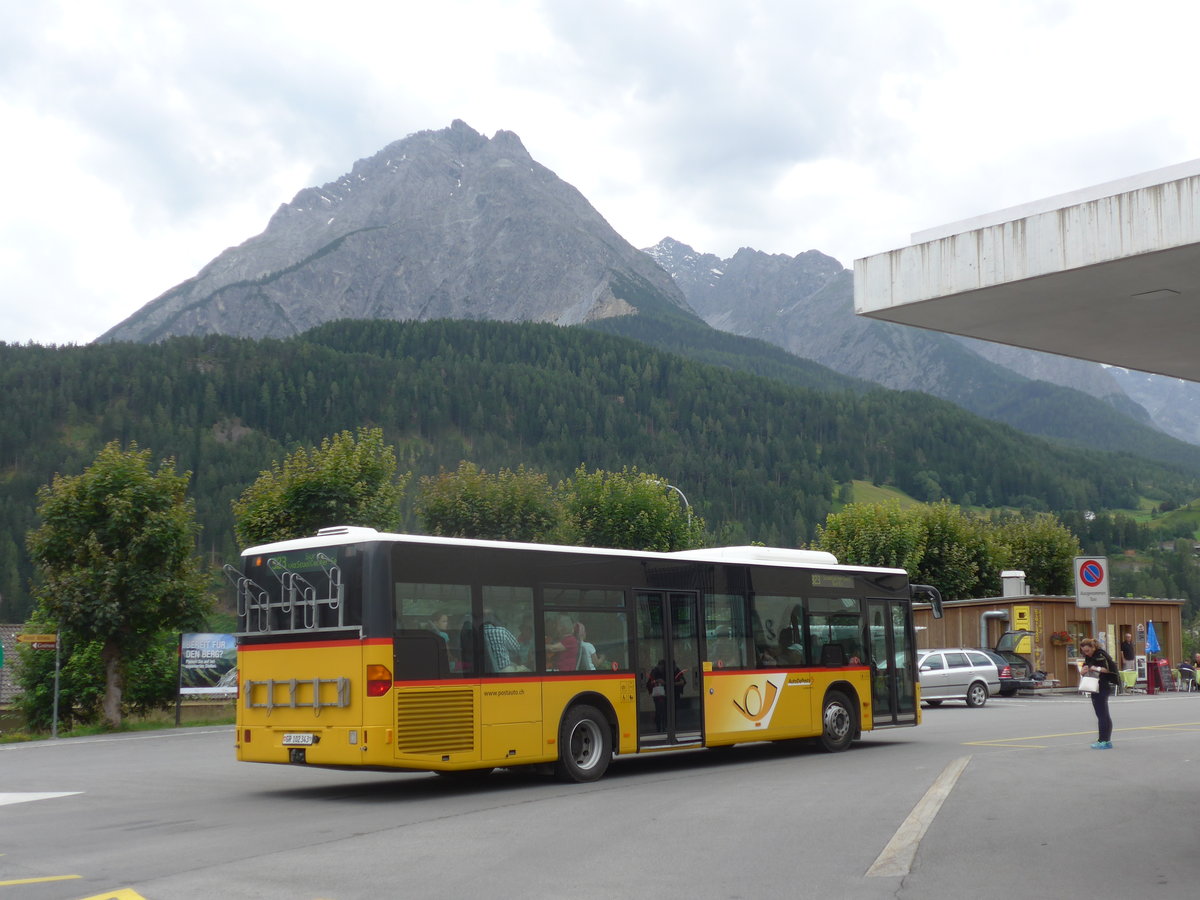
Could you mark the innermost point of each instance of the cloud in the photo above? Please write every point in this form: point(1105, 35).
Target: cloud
point(143, 138)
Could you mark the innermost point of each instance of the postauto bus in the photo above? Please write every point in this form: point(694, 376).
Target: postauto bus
point(362, 649)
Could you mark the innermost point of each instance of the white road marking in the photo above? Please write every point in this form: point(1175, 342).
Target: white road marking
point(113, 738)
point(897, 856)
point(25, 797)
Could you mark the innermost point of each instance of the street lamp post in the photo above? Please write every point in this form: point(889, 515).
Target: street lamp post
point(687, 506)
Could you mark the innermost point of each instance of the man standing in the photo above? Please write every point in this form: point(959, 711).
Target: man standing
point(1128, 661)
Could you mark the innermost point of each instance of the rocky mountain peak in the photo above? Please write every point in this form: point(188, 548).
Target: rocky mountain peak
point(440, 224)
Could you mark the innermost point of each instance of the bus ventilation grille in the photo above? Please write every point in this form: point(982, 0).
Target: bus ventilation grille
point(439, 722)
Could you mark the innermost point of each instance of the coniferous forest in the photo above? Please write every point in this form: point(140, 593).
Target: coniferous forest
point(762, 459)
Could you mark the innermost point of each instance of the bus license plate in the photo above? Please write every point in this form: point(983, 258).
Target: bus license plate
point(298, 740)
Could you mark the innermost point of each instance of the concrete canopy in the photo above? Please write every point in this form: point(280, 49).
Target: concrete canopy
point(1109, 274)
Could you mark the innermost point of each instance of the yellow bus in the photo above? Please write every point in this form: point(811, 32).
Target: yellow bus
point(369, 650)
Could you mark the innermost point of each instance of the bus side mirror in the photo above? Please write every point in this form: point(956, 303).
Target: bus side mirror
point(934, 595)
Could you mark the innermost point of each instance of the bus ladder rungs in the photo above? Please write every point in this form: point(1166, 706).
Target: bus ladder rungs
point(293, 686)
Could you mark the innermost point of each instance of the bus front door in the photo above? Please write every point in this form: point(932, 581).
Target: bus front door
point(893, 690)
point(669, 668)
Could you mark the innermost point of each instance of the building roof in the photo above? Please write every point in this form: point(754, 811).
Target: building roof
point(1109, 273)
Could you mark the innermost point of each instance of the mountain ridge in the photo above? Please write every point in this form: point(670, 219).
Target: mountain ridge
point(805, 305)
point(438, 224)
point(452, 224)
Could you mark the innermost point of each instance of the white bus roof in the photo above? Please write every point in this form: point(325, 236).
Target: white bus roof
point(746, 555)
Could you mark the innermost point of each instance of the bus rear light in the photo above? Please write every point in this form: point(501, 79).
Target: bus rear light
point(379, 680)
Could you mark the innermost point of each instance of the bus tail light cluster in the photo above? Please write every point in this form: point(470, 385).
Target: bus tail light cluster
point(379, 680)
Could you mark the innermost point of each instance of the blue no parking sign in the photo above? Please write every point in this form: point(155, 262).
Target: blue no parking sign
point(1091, 581)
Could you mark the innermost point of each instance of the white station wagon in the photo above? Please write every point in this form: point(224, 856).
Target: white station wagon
point(958, 674)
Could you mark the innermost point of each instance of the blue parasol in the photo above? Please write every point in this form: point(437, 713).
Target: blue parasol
point(1152, 639)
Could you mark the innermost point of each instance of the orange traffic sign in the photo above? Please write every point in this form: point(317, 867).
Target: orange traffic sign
point(37, 638)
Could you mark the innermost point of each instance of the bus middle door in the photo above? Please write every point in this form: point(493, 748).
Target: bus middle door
point(893, 691)
point(669, 700)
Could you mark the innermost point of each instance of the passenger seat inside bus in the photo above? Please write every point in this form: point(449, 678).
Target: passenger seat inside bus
point(833, 655)
point(420, 654)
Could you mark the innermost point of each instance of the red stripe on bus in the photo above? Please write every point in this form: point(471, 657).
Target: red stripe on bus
point(730, 670)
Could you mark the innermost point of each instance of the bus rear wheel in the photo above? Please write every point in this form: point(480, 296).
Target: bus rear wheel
point(584, 745)
point(837, 722)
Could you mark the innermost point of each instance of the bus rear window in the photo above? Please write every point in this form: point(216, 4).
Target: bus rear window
point(299, 591)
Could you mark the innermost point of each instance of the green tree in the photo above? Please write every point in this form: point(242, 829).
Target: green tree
point(350, 480)
point(115, 558)
point(961, 555)
point(1044, 549)
point(628, 509)
point(151, 680)
point(507, 506)
point(874, 534)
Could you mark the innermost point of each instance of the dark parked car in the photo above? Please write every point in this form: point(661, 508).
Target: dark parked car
point(1012, 674)
point(1021, 669)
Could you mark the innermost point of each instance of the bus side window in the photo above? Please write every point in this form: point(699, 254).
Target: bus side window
point(725, 630)
point(436, 611)
point(779, 622)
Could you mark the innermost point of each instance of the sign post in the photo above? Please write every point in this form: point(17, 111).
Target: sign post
point(47, 642)
point(37, 639)
point(1091, 585)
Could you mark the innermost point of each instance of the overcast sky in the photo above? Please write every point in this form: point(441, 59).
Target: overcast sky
point(140, 138)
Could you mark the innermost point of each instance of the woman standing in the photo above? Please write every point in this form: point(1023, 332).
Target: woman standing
point(1097, 662)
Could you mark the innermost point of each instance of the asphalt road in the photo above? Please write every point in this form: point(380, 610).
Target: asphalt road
point(1004, 801)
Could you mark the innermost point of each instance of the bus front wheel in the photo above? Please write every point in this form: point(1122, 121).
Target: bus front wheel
point(837, 722)
point(584, 745)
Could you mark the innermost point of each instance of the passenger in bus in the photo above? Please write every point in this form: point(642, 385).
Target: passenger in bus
point(563, 655)
point(791, 647)
point(439, 624)
point(587, 651)
point(500, 646)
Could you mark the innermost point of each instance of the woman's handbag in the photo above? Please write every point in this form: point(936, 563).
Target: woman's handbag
point(1089, 684)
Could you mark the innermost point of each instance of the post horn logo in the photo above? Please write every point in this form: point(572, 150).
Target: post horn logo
point(758, 703)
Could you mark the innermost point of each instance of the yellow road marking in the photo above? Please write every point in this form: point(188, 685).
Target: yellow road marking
point(39, 880)
point(1021, 743)
point(123, 894)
